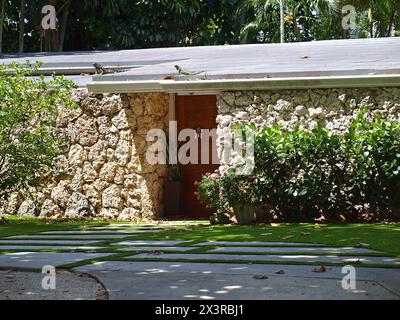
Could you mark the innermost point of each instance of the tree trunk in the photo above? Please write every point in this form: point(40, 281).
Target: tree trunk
point(63, 27)
point(392, 20)
point(2, 6)
point(282, 18)
point(343, 30)
point(21, 27)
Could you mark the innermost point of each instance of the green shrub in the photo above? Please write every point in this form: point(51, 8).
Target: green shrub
point(29, 139)
point(303, 174)
point(374, 148)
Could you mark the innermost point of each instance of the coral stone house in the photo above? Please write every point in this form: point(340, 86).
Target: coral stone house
point(298, 83)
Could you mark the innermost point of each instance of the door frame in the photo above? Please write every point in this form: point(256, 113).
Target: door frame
point(173, 117)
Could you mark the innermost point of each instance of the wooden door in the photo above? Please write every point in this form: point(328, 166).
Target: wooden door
point(195, 112)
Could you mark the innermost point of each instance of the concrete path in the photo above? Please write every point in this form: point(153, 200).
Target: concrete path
point(273, 257)
point(206, 281)
point(148, 242)
point(257, 243)
point(36, 260)
point(29, 247)
point(106, 231)
point(49, 242)
point(312, 250)
point(157, 248)
point(158, 279)
point(70, 236)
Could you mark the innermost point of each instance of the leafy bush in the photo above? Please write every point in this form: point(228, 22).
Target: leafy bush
point(374, 148)
point(302, 175)
point(29, 139)
point(208, 192)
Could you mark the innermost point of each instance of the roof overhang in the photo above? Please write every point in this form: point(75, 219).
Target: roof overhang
point(207, 86)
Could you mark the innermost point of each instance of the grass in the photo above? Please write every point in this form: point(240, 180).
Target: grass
point(379, 236)
point(26, 225)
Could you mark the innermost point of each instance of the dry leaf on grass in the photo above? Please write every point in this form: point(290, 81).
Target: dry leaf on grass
point(267, 234)
point(361, 244)
point(287, 237)
point(260, 277)
point(155, 252)
point(321, 269)
point(274, 224)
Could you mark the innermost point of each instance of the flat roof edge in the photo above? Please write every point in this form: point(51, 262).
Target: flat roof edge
point(199, 86)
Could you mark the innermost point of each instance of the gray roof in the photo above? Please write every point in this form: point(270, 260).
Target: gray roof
point(320, 58)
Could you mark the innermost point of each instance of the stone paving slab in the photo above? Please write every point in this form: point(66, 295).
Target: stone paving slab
point(142, 248)
point(36, 260)
point(114, 230)
point(69, 236)
point(148, 242)
point(283, 258)
point(100, 232)
point(125, 228)
point(2, 247)
point(49, 242)
point(315, 250)
point(257, 243)
point(219, 281)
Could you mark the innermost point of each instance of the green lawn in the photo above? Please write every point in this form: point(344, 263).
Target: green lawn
point(383, 237)
point(25, 225)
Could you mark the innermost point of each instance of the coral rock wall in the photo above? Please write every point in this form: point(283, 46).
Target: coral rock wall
point(106, 173)
point(334, 107)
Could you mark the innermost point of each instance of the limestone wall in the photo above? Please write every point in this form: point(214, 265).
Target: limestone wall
point(335, 107)
point(105, 169)
point(105, 172)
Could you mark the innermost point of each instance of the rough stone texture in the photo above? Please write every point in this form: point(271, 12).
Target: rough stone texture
point(107, 173)
point(334, 107)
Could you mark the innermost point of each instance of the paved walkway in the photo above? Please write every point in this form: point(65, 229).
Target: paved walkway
point(133, 268)
point(207, 281)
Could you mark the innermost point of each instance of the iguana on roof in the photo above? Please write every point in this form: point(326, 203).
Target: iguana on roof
point(184, 72)
point(102, 70)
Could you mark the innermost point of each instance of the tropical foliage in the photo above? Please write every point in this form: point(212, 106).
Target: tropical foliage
point(122, 24)
point(304, 175)
point(29, 140)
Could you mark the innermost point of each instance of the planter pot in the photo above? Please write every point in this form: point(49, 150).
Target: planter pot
point(173, 198)
point(244, 213)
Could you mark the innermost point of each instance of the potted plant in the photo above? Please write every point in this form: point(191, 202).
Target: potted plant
point(229, 191)
point(239, 190)
point(173, 192)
